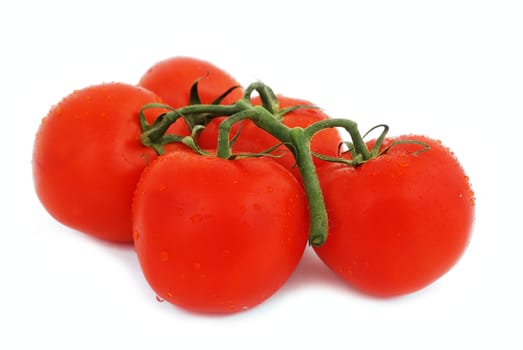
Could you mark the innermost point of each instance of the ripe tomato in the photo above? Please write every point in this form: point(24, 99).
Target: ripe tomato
point(87, 158)
point(252, 139)
point(216, 235)
point(172, 79)
point(397, 222)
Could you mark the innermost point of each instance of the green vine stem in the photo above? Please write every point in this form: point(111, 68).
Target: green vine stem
point(268, 118)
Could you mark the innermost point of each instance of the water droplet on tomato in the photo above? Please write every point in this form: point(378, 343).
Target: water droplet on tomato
point(242, 210)
point(136, 235)
point(270, 189)
point(229, 304)
point(197, 266)
point(169, 294)
point(197, 218)
point(179, 211)
point(164, 256)
point(59, 110)
point(226, 252)
point(162, 187)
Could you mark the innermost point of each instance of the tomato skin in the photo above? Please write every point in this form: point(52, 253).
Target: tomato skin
point(215, 235)
point(172, 78)
point(87, 158)
point(253, 139)
point(399, 222)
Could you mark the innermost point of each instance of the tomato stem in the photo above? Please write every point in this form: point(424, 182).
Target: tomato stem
point(194, 115)
point(268, 118)
point(361, 152)
point(318, 220)
point(268, 99)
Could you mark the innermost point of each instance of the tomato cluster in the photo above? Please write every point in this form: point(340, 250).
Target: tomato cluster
point(220, 187)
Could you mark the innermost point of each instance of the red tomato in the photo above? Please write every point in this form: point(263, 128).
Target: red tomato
point(87, 158)
point(171, 79)
point(398, 222)
point(253, 139)
point(216, 235)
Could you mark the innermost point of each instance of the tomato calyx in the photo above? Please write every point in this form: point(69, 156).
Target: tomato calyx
point(202, 119)
point(156, 135)
point(360, 153)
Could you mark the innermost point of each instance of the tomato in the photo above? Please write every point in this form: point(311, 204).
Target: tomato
point(87, 158)
point(398, 222)
point(254, 140)
point(216, 235)
point(172, 79)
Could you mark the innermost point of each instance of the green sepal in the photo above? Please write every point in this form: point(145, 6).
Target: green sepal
point(265, 153)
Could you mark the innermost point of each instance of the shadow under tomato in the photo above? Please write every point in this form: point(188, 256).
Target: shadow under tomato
point(311, 271)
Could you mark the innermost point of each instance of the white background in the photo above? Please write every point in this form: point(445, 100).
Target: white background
point(449, 69)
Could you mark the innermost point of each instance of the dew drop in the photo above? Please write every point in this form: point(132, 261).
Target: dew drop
point(164, 256)
point(162, 187)
point(197, 218)
point(197, 266)
point(169, 294)
point(136, 235)
point(270, 189)
point(242, 210)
